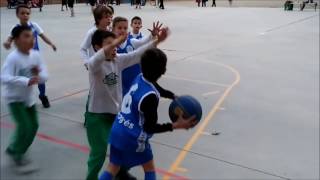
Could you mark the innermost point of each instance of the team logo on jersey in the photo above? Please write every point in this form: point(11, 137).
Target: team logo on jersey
point(26, 72)
point(111, 79)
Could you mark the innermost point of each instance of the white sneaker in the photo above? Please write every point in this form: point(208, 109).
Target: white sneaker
point(26, 168)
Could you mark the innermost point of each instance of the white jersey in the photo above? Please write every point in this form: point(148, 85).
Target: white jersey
point(105, 94)
point(86, 49)
point(135, 43)
point(16, 73)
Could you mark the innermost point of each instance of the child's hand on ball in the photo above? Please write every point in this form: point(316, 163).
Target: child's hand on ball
point(183, 123)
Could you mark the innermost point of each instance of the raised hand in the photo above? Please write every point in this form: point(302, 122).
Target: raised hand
point(54, 47)
point(121, 39)
point(156, 28)
point(7, 45)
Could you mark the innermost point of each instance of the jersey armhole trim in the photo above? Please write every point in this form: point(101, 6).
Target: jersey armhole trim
point(147, 94)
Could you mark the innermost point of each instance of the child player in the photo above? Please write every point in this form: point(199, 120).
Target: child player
point(102, 17)
point(22, 70)
point(136, 25)
point(120, 27)
point(23, 13)
point(105, 94)
point(137, 121)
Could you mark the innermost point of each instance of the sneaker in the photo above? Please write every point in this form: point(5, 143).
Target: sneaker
point(21, 165)
point(44, 101)
point(26, 168)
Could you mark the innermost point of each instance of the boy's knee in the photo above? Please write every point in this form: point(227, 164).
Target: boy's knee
point(35, 127)
point(97, 156)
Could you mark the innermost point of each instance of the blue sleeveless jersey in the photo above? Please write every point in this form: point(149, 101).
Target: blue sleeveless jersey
point(127, 132)
point(130, 73)
point(138, 37)
point(35, 35)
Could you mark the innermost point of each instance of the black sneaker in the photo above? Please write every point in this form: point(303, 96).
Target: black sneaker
point(44, 101)
point(124, 175)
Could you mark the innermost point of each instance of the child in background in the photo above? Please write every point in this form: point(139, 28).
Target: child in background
point(120, 27)
point(103, 18)
point(204, 3)
point(23, 13)
point(138, 4)
point(22, 69)
point(136, 25)
point(71, 5)
point(137, 121)
point(93, 4)
point(64, 3)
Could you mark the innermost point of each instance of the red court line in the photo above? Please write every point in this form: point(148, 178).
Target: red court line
point(82, 148)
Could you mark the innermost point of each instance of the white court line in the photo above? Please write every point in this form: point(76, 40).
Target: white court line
point(196, 81)
point(210, 93)
point(164, 100)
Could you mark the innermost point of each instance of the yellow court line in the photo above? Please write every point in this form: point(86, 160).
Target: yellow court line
point(176, 164)
point(180, 169)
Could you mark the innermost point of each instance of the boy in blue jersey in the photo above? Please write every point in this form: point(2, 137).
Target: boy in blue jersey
point(23, 13)
point(137, 121)
point(136, 25)
point(120, 27)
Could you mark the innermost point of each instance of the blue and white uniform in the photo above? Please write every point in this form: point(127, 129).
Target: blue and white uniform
point(136, 36)
point(36, 30)
point(129, 142)
point(130, 73)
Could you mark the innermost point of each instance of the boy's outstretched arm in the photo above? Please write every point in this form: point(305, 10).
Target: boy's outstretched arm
point(153, 32)
point(149, 107)
point(47, 40)
point(163, 92)
point(84, 47)
point(7, 44)
point(94, 63)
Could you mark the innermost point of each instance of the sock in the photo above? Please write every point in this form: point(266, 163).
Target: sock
point(42, 89)
point(150, 175)
point(106, 176)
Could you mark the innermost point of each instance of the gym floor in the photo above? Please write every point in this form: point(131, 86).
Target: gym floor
point(254, 70)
